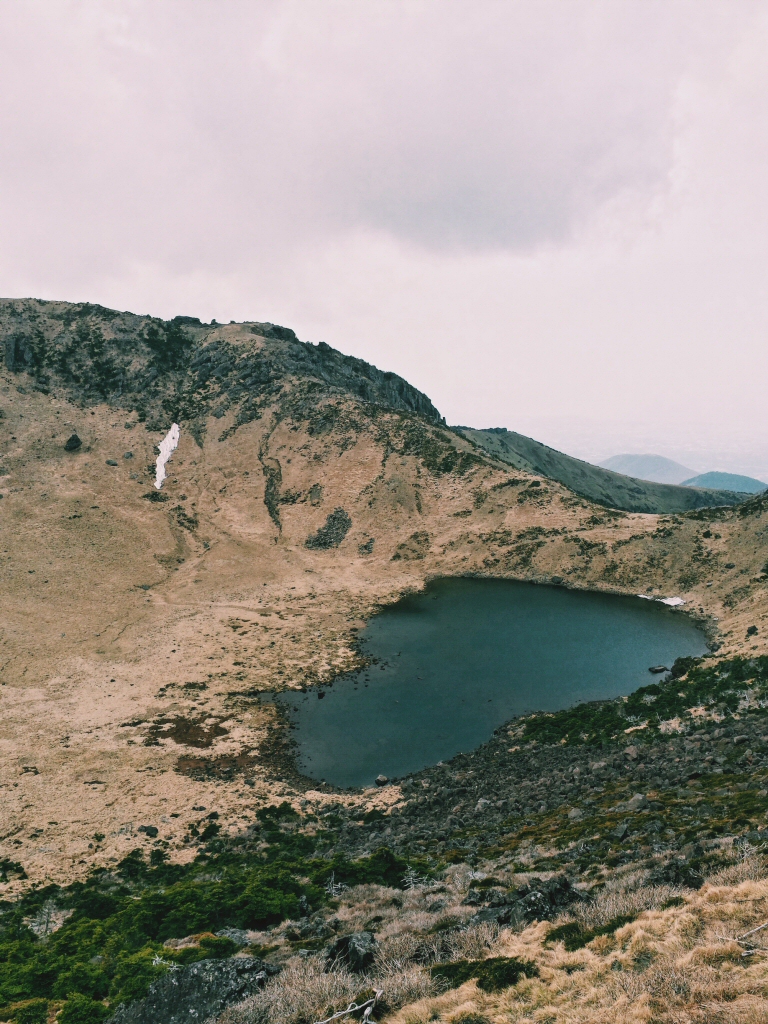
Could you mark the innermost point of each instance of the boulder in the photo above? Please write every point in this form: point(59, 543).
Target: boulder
point(73, 443)
point(356, 951)
point(197, 992)
point(237, 935)
point(381, 780)
point(543, 900)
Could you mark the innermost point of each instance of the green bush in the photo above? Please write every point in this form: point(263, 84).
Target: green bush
point(382, 868)
point(492, 975)
point(33, 1012)
point(79, 1009)
point(574, 937)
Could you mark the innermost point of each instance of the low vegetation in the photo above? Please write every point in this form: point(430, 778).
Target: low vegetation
point(107, 939)
point(641, 899)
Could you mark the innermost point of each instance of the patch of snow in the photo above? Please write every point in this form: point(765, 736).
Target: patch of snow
point(673, 602)
point(167, 447)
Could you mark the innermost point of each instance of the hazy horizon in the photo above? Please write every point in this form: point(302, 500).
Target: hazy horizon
point(547, 217)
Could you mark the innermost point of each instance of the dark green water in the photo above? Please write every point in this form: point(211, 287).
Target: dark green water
point(466, 655)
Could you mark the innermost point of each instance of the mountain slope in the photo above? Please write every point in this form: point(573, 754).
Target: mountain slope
point(733, 481)
point(613, 490)
point(656, 468)
point(138, 628)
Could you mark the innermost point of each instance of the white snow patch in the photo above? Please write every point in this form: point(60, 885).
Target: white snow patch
point(672, 602)
point(167, 447)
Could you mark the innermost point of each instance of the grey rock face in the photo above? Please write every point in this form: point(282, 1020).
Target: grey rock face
point(356, 951)
point(238, 935)
point(197, 992)
point(157, 366)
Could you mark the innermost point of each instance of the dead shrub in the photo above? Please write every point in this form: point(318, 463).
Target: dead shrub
point(398, 951)
point(305, 992)
point(615, 904)
point(302, 993)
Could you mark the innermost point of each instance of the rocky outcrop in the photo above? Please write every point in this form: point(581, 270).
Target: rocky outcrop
point(332, 533)
point(183, 369)
point(197, 992)
point(356, 951)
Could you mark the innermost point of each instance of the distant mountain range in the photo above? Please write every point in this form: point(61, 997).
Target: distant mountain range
point(655, 468)
point(727, 481)
point(605, 486)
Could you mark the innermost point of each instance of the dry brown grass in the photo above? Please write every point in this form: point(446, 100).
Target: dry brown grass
point(680, 965)
point(305, 992)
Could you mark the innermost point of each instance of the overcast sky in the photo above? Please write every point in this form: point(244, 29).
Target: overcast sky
point(550, 216)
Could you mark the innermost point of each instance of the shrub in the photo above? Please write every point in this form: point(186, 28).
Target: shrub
point(79, 1009)
point(574, 936)
point(33, 1012)
point(492, 975)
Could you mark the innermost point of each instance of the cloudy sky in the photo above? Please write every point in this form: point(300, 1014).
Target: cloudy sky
point(550, 216)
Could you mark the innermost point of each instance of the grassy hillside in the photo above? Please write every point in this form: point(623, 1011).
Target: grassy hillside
point(601, 485)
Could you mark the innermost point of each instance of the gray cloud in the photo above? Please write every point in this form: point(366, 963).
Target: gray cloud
point(535, 211)
point(204, 133)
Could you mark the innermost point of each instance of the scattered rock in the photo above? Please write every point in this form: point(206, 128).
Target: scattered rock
point(381, 780)
point(752, 631)
point(356, 951)
point(575, 814)
point(149, 830)
point(636, 802)
point(237, 935)
point(657, 669)
point(543, 900)
point(111, 462)
point(631, 753)
point(198, 992)
point(128, 455)
point(73, 443)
